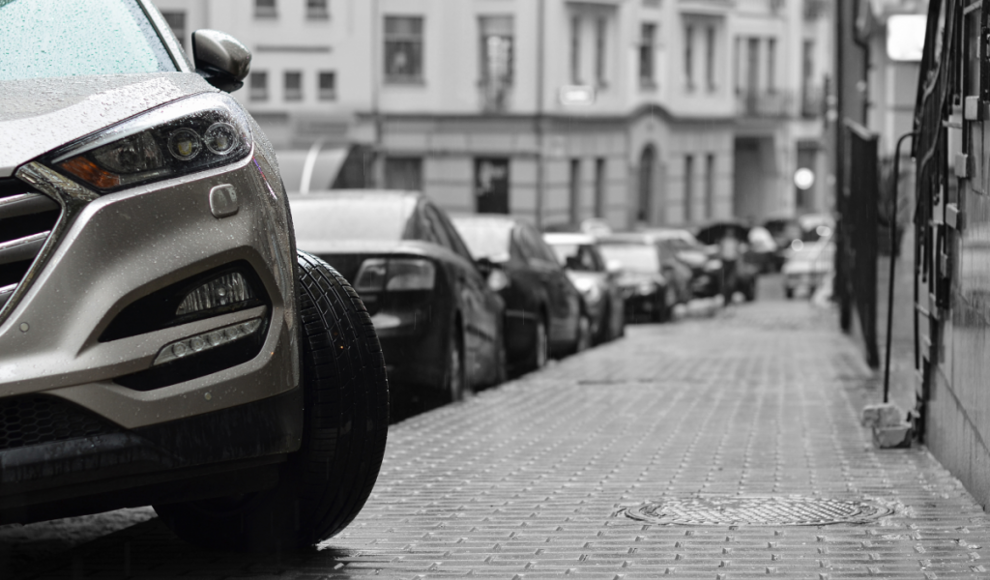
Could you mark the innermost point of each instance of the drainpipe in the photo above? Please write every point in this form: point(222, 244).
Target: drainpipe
point(540, 173)
point(378, 163)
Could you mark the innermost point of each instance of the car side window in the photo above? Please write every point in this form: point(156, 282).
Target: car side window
point(434, 228)
point(525, 245)
point(535, 247)
point(456, 243)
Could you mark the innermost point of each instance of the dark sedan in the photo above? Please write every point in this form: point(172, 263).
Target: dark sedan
point(587, 269)
point(544, 312)
point(439, 323)
point(648, 294)
point(747, 267)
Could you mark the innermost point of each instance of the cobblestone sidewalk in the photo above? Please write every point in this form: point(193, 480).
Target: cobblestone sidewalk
point(533, 479)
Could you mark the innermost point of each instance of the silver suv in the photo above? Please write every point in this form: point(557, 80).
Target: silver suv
point(161, 341)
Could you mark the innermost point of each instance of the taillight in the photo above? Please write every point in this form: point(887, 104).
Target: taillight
point(395, 274)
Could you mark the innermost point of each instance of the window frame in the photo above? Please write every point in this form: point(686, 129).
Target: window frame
point(323, 93)
point(319, 12)
point(647, 55)
point(258, 92)
point(266, 9)
point(415, 40)
point(292, 94)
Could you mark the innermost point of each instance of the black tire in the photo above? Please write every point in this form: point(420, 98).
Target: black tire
point(750, 291)
point(788, 293)
point(667, 298)
point(324, 485)
point(454, 378)
point(584, 338)
point(541, 345)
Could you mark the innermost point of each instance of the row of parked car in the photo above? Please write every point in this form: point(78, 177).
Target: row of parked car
point(460, 303)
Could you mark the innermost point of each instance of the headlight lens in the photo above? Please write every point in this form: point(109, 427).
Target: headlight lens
point(589, 289)
point(183, 137)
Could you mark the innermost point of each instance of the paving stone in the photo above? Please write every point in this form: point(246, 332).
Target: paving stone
point(533, 479)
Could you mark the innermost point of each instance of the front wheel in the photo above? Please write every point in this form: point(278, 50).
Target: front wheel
point(583, 341)
point(323, 485)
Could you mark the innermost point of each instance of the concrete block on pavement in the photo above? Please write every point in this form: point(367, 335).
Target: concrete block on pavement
point(882, 415)
point(893, 437)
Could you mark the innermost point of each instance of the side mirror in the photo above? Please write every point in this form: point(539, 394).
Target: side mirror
point(222, 60)
point(485, 266)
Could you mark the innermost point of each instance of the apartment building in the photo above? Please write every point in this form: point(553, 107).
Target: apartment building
point(633, 111)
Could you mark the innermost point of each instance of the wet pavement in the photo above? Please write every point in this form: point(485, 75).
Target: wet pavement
point(732, 439)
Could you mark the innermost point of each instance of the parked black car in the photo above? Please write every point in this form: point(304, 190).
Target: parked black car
point(585, 266)
point(648, 294)
point(439, 323)
point(544, 313)
point(747, 268)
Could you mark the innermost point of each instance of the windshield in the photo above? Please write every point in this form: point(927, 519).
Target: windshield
point(578, 257)
point(635, 257)
point(56, 38)
point(485, 239)
point(352, 218)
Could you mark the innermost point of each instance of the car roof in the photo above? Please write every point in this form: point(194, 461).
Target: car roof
point(569, 238)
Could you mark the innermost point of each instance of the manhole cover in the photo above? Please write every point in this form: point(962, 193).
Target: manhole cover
point(758, 511)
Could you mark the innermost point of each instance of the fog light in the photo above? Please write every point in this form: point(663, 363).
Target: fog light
point(207, 340)
point(221, 291)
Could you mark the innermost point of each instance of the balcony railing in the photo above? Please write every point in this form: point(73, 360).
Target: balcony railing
point(763, 104)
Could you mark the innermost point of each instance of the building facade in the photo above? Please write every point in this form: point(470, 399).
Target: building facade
point(651, 112)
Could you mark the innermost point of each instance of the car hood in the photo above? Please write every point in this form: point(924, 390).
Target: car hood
point(597, 277)
point(635, 278)
point(39, 115)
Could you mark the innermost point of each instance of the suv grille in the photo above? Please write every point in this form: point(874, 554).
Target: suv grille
point(32, 419)
point(26, 220)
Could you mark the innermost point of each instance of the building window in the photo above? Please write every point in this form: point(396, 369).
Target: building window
point(810, 107)
point(710, 186)
point(647, 49)
point(751, 82)
point(689, 57)
point(491, 185)
point(259, 86)
point(771, 65)
point(600, 187)
point(737, 66)
point(404, 173)
point(710, 59)
point(293, 86)
point(317, 10)
point(328, 86)
point(574, 189)
point(265, 9)
point(177, 22)
point(601, 32)
point(404, 49)
point(688, 188)
point(575, 50)
point(497, 54)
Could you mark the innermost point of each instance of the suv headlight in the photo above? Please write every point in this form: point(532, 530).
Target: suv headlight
point(176, 139)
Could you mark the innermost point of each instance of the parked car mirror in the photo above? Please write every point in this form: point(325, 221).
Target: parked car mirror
point(222, 60)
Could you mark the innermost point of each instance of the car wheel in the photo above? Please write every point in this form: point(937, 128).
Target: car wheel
point(665, 310)
point(750, 291)
point(788, 293)
point(323, 485)
point(454, 377)
point(584, 334)
point(541, 345)
point(501, 363)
